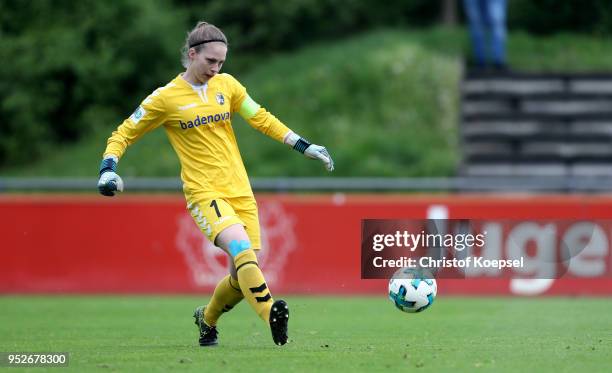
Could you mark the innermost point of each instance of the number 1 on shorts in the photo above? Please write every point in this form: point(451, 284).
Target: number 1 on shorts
point(214, 204)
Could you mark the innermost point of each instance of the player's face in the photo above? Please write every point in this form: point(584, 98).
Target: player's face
point(208, 62)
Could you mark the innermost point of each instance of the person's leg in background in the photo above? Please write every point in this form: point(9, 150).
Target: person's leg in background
point(476, 23)
point(496, 13)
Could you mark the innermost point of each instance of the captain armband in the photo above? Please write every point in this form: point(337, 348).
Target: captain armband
point(249, 108)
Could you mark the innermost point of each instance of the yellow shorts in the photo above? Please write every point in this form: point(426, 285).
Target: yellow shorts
point(213, 216)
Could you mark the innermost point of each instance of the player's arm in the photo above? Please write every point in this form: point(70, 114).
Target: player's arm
point(149, 115)
point(265, 122)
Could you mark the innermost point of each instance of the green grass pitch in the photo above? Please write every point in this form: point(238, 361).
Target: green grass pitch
point(329, 334)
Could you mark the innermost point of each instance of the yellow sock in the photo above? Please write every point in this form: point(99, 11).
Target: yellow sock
point(253, 283)
point(227, 294)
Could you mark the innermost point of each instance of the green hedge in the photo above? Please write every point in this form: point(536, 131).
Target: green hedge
point(281, 24)
point(553, 16)
point(71, 67)
point(389, 112)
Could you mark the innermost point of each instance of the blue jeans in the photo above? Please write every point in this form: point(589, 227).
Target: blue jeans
point(487, 19)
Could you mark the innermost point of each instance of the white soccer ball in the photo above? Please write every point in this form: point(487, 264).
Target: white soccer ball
point(412, 290)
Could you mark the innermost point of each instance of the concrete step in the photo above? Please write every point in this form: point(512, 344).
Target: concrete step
point(536, 125)
point(571, 107)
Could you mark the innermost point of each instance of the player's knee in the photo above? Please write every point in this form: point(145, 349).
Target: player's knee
point(234, 232)
point(237, 247)
point(242, 254)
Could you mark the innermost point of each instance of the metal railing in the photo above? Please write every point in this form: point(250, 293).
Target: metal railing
point(337, 184)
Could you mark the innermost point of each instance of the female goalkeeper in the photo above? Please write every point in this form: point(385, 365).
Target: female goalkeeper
point(196, 109)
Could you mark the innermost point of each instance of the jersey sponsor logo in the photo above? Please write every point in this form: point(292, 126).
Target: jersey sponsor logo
point(138, 114)
point(207, 264)
point(220, 98)
point(204, 120)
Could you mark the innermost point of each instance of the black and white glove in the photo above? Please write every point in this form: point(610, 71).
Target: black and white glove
point(312, 151)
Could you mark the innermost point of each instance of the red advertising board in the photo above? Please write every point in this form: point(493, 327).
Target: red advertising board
point(150, 244)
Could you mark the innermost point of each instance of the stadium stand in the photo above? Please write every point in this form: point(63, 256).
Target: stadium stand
point(531, 124)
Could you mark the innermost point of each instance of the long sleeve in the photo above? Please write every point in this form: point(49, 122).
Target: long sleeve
point(258, 117)
point(149, 115)
point(268, 124)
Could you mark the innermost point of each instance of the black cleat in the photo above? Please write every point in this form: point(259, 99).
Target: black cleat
point(279, 319)
point(208, 334)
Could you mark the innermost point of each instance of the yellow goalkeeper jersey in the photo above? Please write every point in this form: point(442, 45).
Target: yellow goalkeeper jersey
point(198, 122)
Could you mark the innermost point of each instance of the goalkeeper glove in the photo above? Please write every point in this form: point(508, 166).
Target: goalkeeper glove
point(312, 151)
point(109, 181)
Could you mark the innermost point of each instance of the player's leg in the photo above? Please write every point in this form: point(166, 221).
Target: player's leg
point(208, 215)
point(228, 293)
point(246, 208)
point(235, 241)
